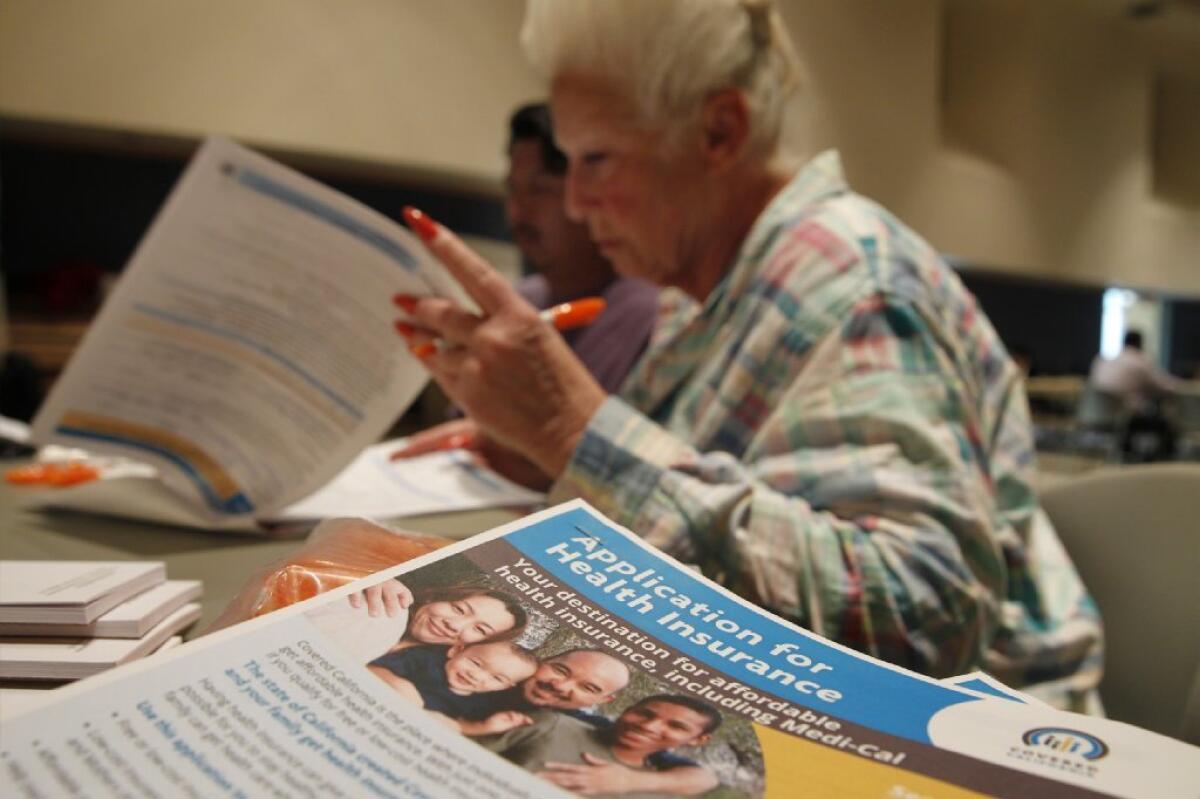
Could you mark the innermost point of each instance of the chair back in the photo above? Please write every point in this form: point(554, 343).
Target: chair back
point(1099, 410)
point(1134, 534)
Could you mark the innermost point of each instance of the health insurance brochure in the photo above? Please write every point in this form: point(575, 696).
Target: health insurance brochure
point(285, 705)
point(247, 350)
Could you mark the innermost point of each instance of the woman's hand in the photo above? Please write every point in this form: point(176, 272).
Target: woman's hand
point(455, 434)
point(464, 434)
point(389, 597)
point(507, 369)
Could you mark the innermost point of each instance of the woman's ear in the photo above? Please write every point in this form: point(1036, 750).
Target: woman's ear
point(725, 126)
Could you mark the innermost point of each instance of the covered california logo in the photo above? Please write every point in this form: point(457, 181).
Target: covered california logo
point(1066, 741)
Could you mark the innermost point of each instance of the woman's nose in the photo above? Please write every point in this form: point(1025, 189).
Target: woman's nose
point(576, 197)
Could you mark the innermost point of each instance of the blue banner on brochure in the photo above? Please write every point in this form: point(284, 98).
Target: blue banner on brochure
point(666, 602)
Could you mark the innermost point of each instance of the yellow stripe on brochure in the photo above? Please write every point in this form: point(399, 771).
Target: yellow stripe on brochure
point(796, 767)
point(219, 480)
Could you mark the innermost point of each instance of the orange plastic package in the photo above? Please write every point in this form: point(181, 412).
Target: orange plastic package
point(337, 552)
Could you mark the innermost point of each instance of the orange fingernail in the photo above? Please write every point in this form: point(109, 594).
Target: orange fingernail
point(405, 329)
point(405, 301)
point(420, 222)
point(424, 350)
point(458, 441)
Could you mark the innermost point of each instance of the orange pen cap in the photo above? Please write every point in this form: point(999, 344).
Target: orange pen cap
point(577, 313)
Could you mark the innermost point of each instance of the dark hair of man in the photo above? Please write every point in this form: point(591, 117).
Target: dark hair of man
point(430, 594)
point(1133, 338)
point(691, 703)
point(532, 122)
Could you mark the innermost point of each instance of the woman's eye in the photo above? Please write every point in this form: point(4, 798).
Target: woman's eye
point(594, 158)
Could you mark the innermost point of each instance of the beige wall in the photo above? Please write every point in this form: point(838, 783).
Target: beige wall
point(1020, 141)
point(1015, 134)
point(411, 82)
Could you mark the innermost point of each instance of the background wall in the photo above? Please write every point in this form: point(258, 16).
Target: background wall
point(1049, 138)
point(426, 84)
point(1052, 138)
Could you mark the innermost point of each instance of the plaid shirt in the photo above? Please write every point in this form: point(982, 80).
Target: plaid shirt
point(838, 435)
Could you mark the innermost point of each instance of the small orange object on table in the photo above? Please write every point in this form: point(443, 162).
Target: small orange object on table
point(52, 473)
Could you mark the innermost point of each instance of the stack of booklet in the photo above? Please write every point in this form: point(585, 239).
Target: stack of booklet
point(623, 673)
point(63, 620)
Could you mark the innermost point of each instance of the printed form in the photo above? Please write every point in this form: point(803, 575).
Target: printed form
point(246, 351)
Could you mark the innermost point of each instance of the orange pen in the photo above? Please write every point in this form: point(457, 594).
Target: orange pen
point(564, 316)
point(577, 313)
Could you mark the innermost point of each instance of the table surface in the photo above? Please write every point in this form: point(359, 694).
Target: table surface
point(222, 562)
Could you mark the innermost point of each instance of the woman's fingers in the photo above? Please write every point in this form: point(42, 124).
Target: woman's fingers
point(374, 600)
point(481, 281)
point(391, 606)
point(456, 434)
point(401, 595)
point(435, 317)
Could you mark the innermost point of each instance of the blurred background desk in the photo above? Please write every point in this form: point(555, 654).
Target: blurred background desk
point(223, 562)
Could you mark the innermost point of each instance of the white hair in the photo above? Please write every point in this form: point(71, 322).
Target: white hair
point(667, 56)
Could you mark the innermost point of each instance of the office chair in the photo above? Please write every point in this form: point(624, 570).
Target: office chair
point(1134, 534)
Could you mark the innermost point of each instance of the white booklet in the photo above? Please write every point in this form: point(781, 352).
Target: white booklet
point(681, 682)
point(131, 619)
point(74, 658)
point(372, 486)
point(71, 591)
point(248, 351)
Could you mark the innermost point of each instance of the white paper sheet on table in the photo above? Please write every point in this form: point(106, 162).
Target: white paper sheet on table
point(372, 486)
point(377, 487)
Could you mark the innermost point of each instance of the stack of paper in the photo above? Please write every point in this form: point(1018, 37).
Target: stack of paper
point(290, 704)
point(63, 620)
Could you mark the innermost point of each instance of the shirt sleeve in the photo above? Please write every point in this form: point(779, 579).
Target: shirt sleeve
point(665, 761)
point(414, 664)
point(509, 742)
point(860, 509)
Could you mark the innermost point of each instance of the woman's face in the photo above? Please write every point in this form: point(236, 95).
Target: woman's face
point(638, 197)
point(460, 621)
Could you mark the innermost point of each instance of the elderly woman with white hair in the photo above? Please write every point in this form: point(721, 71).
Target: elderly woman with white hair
point(832, 428)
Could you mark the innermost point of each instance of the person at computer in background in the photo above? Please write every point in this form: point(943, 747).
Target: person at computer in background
point(567, 266)
point(1132, 376)
point(837, 433)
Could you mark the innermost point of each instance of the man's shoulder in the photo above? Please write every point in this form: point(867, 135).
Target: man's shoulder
point(631, 291)
point(557, 720)
point(544, 725)
point(535, 289)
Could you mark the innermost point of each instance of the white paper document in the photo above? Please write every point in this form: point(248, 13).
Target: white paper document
point(477, 695)
point(372, 486)
point(74, 658)
point(377, 487)
point(71, 591)
point(130, 619)
point(247, 351)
